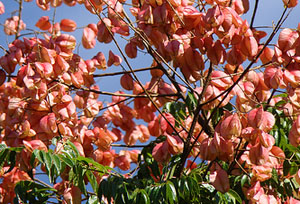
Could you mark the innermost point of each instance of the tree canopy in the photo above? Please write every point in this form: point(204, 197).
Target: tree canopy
point(207, 108)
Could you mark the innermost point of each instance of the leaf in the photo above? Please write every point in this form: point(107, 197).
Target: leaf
point(52, 175)
point(47, 159)
point(32, 159)
point(99, 167)
point(292, 148)
point(39, 155)
point(171, 194)
point(279, 103)
point(275, 176)
point(244, 180)
point(16, 149)
point(73, 147)
point(93, 200)
point(11, 161)
point(234, 195)
point(93, 181)
point(67, 160)
point(288, 187)
point(104, 191)
point(171, 172)
point(293, 168)
point(191, 102)
point(56, 163)
point(167, 107)
point(31, 192)
point(2, 147)
point(286, 167)
point(209, 187)
point(283, 95)
point(54, 141)
point(154, 192)
point(80, 174)
point(142, 197)
point(3, 155)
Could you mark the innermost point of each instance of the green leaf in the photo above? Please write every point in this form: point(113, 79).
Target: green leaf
point(142, 197)
point(31, 192)
point(167, 106)
point(16, 149)
point(11, 161)
point(67, 160)
point(191, 102)
point(275, 176)
point(54, 141)
point(2, 147)
point(292, 148)
point(293, 168)
point(32, 159)
point(286, 167)
point(73, 147)
point(48, 160)
point(220, 198)
point(288, 187)
point(39, 155)
point(155, 193)
point(234, 195)
point(104, 190)
point(93, 200)
point(57, 163)
point(209, 187)
point(52, 174)
point(171, 194)
point(80, 174)
point(295, 183)
point(99, 167)
point(3, 155)
point(244, 180)
point(171, 172)
point(283, 95)
point(93, 181)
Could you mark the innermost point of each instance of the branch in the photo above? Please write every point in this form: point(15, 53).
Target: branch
point(187, 147)
point(226, 92)
point(124, 72)
point(20, 16)
point(254, 13)
point(132, 71)
point(147, 95)
point(129, 146)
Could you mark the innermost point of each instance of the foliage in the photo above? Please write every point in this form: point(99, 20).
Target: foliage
point(216, 121)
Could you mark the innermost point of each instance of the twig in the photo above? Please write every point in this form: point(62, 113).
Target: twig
point(134, 75)
point(129, 146)
point(124, 72)
point(20, 16)
point(187, 148)
point(254, 13)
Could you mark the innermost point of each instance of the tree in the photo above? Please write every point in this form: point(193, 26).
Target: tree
point(216, 121)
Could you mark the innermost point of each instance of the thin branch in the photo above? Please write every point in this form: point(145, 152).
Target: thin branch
point(269, 99)
point(254, 13)
point(124, 72)
point(154, 53)
point(187, 148)
point(147, 95)
point(129, 146)
point(42, 182)
point(132, 71)
point(20, 16)
point(227, 91)
point(5, 50)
